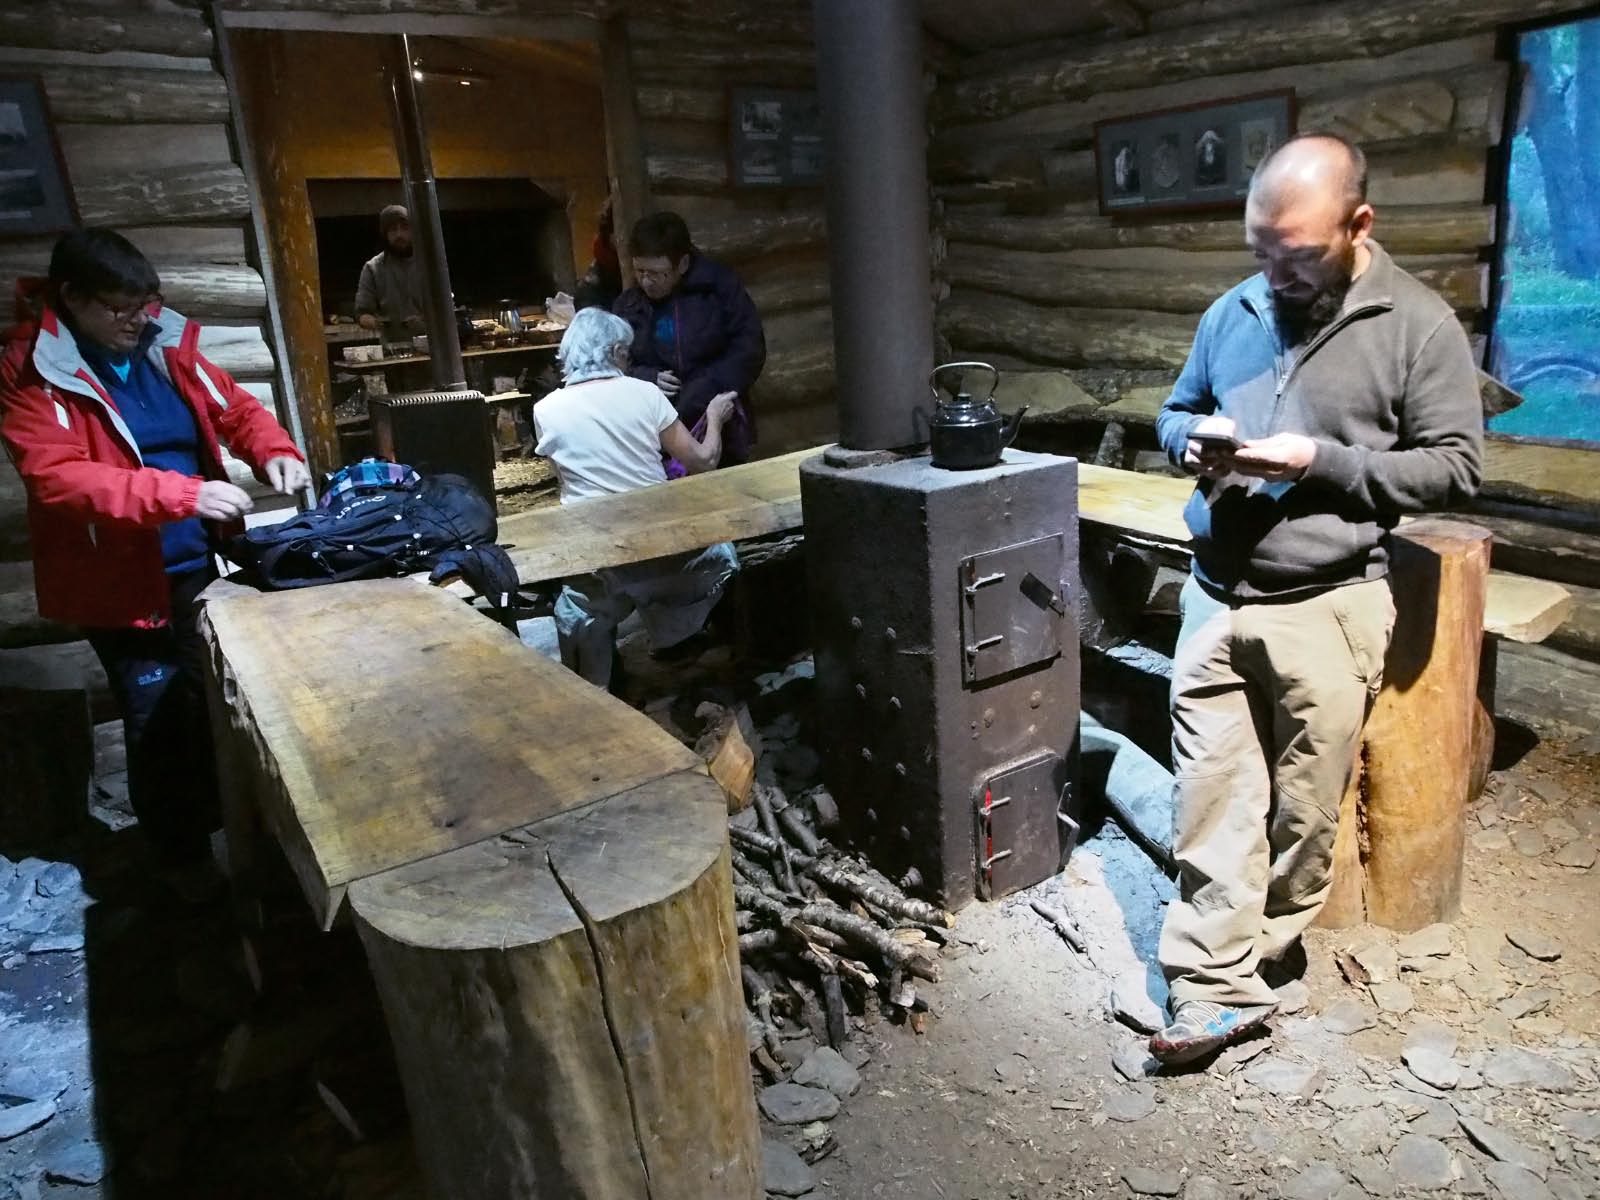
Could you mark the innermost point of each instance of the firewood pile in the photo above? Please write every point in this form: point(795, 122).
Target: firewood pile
point(827, 944)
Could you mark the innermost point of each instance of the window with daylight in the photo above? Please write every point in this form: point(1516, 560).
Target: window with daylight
point(1547, 327)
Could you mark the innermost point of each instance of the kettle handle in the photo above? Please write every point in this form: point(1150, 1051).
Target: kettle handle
point(933, 377)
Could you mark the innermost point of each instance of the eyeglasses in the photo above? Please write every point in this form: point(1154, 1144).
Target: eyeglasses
point(128, 311)
point(655, 276)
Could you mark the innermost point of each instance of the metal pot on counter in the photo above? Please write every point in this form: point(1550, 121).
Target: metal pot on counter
point(966, 434)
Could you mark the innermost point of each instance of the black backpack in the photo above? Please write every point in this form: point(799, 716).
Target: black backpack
point(368, 533)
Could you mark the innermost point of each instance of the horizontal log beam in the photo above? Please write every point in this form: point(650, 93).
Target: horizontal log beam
point(240, 350)
point(202, 290)
point(687, 172)
point(173, 30)
point(100, 149)
point(1069, 337)
point(205, 193)
point(799, 366)
point(134, 96)
point(665, 102)
point(784, 283)
point(747, 235)
point(1043, 276)
point(1347, 28)
point(1418, 229)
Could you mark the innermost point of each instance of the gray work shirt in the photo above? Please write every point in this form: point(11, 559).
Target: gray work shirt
point(390, 289)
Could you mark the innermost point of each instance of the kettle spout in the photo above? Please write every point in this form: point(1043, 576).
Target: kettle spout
point(1008, 432)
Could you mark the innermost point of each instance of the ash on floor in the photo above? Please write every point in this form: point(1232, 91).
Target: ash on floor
point(147, 1050)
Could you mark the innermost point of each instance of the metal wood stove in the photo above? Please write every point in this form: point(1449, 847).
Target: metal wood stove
point(945, 634)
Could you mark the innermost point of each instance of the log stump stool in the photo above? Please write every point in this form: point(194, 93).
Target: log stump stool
point(46, 748)
point(540, 878)
point(1402, 825)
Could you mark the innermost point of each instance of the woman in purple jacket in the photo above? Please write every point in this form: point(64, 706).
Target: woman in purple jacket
point(696, 332)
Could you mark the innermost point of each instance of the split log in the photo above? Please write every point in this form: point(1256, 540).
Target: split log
point(202, 193)
point(731, 749)
point(1406, 830)
point(1175, 288)
point(173, 30)
point(1579, 633)
point(975, 321)
point(563, 892)
point(134, 95)
point(1403, 230)
point(1320, 33)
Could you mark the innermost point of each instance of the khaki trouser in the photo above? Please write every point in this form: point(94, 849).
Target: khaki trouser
point(1268, 701)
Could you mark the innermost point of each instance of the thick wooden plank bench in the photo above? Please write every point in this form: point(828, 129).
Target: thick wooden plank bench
point(539, 875)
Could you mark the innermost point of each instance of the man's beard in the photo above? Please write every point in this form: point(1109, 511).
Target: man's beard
point(400, 251)
point(1301, 319)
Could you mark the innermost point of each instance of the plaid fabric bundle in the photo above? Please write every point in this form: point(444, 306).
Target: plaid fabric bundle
point(367, 475)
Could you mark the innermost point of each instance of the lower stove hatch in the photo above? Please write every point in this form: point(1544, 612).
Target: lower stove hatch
point(1024, 831)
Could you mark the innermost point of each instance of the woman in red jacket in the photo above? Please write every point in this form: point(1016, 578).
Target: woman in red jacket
point(113, 418)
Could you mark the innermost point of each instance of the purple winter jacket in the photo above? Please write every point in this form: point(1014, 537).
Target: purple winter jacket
point(716, 345)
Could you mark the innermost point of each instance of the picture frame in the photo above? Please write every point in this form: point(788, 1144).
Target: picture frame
point(1195, 158)
point(35, 193)
point(775, 138)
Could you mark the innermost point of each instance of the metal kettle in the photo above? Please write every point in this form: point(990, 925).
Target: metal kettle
point(965, 433)
point(511, 316)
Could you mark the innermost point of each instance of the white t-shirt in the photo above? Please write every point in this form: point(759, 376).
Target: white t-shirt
point(604, 436)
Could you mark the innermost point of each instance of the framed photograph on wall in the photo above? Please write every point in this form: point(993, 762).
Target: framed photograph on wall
point(775, 139)
point(35, 197)
point(1189, 159)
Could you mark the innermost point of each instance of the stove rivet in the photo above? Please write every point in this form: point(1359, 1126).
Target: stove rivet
point(890, 633)
point(905, 834)
point(872, 816)
point(988, 717)
point(866, 755)
point(894, 703)
point(1035, 699)
point(855, 623)
point(861, 691)
point(900, 770)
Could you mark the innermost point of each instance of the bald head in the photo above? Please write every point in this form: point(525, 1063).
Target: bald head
point(1308, 220)
point(1310, 169)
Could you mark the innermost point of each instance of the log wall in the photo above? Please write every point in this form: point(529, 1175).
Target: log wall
point(142, 114)
point(1031, 273)
point(774, 237)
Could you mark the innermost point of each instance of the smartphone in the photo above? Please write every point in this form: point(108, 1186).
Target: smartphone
point(1216, 441)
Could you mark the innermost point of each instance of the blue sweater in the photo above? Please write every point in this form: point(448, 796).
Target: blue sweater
point(163, 427)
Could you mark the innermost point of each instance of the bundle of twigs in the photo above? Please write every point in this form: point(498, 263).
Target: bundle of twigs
point(822, 935)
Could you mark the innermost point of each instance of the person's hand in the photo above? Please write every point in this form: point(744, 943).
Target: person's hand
point(287, 475)
point(721, 407)
point(1210, 460)
point(668, 383)
point(367, 321)
point(222, 501)
point(1283, 456)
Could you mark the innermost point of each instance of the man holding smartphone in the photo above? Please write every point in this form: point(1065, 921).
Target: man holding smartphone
point(1323, 397)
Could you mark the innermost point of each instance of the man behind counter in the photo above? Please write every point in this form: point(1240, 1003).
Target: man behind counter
point(696, 332)
point(390, 292)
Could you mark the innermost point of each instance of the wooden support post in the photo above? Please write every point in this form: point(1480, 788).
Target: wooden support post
point(625, 159)
point(556, 994)
point(1403, 824)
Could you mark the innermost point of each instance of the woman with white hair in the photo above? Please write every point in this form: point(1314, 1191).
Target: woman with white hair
point(606, 432)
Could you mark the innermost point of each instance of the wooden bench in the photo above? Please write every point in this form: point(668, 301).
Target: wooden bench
point(538, 873)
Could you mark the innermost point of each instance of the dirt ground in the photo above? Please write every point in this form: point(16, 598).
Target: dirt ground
point(166, 1056)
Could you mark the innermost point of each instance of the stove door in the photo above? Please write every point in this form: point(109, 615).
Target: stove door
point(1011, 608)
point(1024, 834)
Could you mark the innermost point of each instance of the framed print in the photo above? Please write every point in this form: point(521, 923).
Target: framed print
point(35, 197)
point(1187, 159)
point(776, 138)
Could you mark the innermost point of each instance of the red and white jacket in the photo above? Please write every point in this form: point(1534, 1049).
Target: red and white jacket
point(94, 509)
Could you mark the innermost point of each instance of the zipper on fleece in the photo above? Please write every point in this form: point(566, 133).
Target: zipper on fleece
point(1284, 375)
